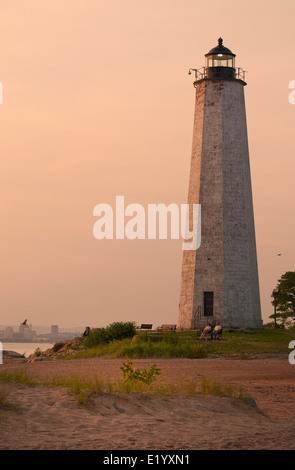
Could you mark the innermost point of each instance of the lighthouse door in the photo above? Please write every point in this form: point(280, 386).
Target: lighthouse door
point(208, 304)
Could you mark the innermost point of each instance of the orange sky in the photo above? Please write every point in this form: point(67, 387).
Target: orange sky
point(98, 103)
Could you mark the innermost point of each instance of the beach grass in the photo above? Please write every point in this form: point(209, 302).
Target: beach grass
point(17, 377)
point(84, 390)
point(211, 386)
point(3, 396)
point(5, 403)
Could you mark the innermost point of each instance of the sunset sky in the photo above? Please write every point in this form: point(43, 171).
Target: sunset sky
point(97, 102)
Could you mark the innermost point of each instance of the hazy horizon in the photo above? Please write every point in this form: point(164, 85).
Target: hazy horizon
point(97, 102)
point(44, 329)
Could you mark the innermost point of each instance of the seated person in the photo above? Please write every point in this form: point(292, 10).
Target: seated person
point(87, 331)
point(216, 331)
point(206, 331)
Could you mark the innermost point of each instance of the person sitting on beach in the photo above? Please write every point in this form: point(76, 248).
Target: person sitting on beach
point(216, 331)
point(206, 331)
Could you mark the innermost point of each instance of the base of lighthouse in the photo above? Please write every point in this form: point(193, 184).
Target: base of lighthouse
point(219, 281)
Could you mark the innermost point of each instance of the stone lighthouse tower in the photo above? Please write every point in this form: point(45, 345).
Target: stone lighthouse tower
point(219, 280)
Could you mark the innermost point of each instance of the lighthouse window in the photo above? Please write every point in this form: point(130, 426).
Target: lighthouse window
point(208, 304)
point(220, 60)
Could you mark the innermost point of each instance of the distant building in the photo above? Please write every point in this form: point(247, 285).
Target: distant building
point(54, 331)
point(7, 333)
point(29, 334)
point(22, 328)
point(26, 331)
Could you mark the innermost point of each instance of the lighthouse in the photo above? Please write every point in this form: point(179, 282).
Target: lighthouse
point(219, 280)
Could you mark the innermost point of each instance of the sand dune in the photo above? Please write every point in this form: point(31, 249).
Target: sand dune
point(42, 417)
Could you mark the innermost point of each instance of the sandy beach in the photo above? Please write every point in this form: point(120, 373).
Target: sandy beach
point(41, 417)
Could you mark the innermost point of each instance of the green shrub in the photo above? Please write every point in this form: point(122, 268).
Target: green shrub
point(38, 352)
point(271, 325)
point(113, 332)
point(121, 330)
point(96, 337)
point(146, 376)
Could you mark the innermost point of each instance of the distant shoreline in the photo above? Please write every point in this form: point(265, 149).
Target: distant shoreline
point(3, 341)
point(26, 348)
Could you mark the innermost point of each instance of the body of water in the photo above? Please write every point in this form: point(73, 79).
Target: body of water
point(26, 348)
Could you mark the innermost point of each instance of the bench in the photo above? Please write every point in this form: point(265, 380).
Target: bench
point(146, 326)
point(168, 328)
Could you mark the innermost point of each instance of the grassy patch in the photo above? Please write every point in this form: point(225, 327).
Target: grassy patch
point(187, 344)
point(85, 390)
point(165, 348)
point(17, 377)
point(252, 342)
point(211, 386)
point(3, 396)
point(5, 405)
point(214, 387)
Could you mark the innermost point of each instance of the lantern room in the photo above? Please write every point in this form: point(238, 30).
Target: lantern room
point(220, 62)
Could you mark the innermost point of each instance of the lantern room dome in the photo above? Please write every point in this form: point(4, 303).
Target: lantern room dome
point(220, 49)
